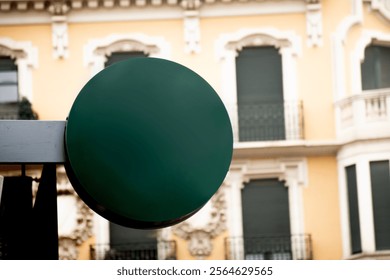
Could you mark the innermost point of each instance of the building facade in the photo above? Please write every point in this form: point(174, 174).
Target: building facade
point(307, 87)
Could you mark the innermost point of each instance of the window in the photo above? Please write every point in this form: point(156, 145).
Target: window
point(260, 94)
point(353, 208)
point(132, 244)
point(380, 184)
point(266, 220)
point(376, 68)
point(128, 243)
point(8, 80)
point(119, 56)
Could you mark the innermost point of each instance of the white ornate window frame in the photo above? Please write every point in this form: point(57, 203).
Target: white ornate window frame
point(97, 50)
point(227, 47)
point(360, 155)
point(26, 58)
point(293, 171)
point(357, 56)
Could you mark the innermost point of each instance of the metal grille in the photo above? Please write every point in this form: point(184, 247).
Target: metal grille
point(295, 247)
point(134, 251)
point(271, 121)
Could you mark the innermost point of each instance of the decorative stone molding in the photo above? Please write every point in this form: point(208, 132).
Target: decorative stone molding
point(97, 50)
point(60, 39)
point(75, 221)
point(357, 56)
point(59, 27)
point(67, 249)
point(382, 6)
point(283, 169)
point(191, 25)
point(191, 31)
point(58, 8)
point(190, 5)
point(338, 51)
point(200, 234)
point(257, 37)
point(39, 5)
point(26, 57)
point(314, 23)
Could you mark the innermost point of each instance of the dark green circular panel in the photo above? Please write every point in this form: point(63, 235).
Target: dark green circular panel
point(148, 142)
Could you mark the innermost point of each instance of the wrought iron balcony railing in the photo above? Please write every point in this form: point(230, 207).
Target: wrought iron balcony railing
point(271, 121)
point(294, 247)
point(163, 250)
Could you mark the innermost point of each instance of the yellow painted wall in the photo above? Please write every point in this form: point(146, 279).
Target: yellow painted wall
point(84, 249)
point(321, 208)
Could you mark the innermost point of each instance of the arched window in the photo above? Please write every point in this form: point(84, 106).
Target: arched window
point(260, 94)
point(375, 68)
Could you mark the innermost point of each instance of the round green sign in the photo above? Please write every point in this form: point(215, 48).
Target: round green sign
point(148, 142)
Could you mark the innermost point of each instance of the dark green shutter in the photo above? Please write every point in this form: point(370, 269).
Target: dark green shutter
point(375, 68)
point(260, 94)
point(265, 208)
point(120, 235)
point(119, 56)
point(353, 208)
point(380, 185)
point(266, 220)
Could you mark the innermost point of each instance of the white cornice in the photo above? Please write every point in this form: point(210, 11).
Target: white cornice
point(59, 6)
point(268, 149)
point(39, 12)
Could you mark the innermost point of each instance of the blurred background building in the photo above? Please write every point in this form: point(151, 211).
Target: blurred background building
point(307, 87)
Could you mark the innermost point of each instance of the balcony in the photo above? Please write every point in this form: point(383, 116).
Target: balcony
point(270, 121)
point(294, 247)
point(163, 250)
point(364, 116)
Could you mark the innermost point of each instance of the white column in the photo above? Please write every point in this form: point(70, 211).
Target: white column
point(296, 218)
point(290, 95)
point(366, 215)
point(98, 64)
point(234, 218)
point(344, 213)
point(229, 89)
point(24, 79)
point(101, 229)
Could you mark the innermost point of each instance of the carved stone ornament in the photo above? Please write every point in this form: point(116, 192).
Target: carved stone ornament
point(75, 219)
point(382, 6)
point(60, 36)
point(126, 46)
point(192, 32)
point(191, 4)
point(207, 224)
point(314, 23)
point(256, 40)
point(58, 7)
